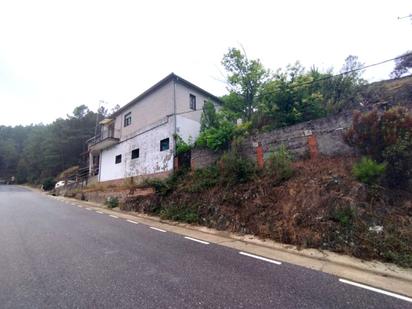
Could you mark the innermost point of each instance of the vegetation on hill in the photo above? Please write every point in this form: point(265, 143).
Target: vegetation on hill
point(37, 152)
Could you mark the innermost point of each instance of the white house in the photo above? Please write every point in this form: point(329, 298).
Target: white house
point(138, 139)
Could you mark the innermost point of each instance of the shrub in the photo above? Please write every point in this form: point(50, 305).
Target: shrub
point(236, 168)
point(182, 146)
point(217, 138)
point(385, 138)
point(344, 215)
point(368, 171)
point(399, 163)
point(165, 186)
point(279, 165)
point(112, 202)
point(180, 213)
point(48, 184)
point(204, 178)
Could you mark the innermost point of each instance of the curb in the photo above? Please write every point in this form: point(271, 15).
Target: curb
point(383, 275)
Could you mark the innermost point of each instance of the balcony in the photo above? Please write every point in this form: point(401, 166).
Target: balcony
point(102, 141)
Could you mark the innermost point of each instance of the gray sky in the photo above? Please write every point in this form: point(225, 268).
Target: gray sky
point(55, 55)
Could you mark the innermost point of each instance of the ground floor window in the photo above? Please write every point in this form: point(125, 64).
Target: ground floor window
point(135, 153)
point(118, 159)
point(164, 144)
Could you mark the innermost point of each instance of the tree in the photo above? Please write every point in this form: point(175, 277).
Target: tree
point(402, 65)
point(209, 118)
point(80, 111)
point(36, 152)
point(245, 80)
point(290, 97)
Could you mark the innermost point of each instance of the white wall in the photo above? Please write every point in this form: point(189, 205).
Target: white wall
point(151, 160)
point(187, 129)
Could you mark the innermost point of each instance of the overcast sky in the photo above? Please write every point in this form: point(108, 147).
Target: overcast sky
point(55, 55)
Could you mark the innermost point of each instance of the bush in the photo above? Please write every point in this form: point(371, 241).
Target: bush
point(385, 138)
point(217, 138)
point(279, 165)
point(182, 146)
point(112, 202)
point(204, 178)
point(344, 216)
point(180, 213)
point(399, 163)
point(48, 184)
point(165, 186)
point(235, 168)
point(368, 171)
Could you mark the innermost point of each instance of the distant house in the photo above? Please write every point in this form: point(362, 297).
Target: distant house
point(139, 138)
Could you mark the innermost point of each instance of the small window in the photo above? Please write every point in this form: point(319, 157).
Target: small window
point(192, 102)
point(135, 153)
point(118, 159)
point(164, 144)
point(128, 119)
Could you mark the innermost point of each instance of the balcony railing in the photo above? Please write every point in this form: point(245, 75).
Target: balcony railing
point(105, 139)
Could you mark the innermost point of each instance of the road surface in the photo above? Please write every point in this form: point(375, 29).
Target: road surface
point(56, 255)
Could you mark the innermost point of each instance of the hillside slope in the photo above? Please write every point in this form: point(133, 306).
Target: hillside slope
point(321, 206)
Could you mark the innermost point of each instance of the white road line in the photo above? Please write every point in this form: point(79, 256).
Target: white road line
point(99, 212)
point(114, 216)
point(131, 221)
point(260, 258)
point(197, 240)
point(155, 228)
point(80, 206)
point(376, 290)
point(88, 208)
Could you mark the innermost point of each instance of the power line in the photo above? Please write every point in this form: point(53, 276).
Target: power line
point(407, 16)
point(341, 74)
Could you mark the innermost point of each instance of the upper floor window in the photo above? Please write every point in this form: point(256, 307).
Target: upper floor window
point(164, 144)
point(135, 153)
point(128, 119)
point(193, 102)
point(118, 159)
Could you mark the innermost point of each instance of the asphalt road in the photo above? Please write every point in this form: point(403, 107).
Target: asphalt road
point(56, 255)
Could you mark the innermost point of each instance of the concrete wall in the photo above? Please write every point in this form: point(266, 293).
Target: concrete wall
point(151, 160)
point(201, 158)
point(328, 133)
point(317, 137)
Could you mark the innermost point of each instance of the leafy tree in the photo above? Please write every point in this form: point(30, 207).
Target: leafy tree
point(209, 118)
point(245, 80)
point(37, 152)
point(289, 98)
point(402, 65)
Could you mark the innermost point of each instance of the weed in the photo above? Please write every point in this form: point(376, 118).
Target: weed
point(344, 216)
point(180, 213)
point(236, 168)
point(112, 202)
point(279, 165)
point(368, 171)
point(204, 178)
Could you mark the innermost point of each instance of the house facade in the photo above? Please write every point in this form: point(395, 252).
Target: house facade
point(139, 138)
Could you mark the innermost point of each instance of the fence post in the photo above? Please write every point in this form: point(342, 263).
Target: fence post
point(259, 156)
point(313, 146)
